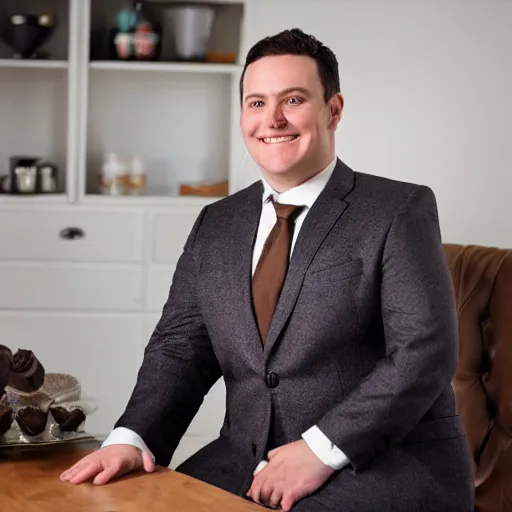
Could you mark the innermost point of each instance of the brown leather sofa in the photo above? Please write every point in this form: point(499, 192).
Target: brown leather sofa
point(482, 279)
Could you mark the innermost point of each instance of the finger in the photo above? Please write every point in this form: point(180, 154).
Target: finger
point(69, 472)
point(254, 491)
point(148, 462)
point(77, 467)
point(85, 473)
point(74, 470)
point(266, 490)
point(287, 502)
point(109, 472)
point(275, 498)
point(272, 453)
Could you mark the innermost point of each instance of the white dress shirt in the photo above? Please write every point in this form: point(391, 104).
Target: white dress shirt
point(302, 195)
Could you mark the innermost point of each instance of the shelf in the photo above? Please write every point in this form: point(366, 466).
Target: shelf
point(214, 2)
point(147, 200)
point(170, 67)
point(30, 199)
point(33, 64)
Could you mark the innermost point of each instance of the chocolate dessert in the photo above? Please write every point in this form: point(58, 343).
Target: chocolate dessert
point(68, 421)
point(6, 414)
point(5, 366)
point(27, 373)
point(31, 420)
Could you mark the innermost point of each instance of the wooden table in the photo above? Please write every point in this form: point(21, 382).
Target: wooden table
point(29, 482)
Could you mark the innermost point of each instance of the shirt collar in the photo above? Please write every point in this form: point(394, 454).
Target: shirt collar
point(304, 194)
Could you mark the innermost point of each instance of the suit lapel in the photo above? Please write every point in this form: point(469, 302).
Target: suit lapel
point(319, 221)
point(243, 238)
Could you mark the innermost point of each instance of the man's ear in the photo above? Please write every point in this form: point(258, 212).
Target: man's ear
point(336, 109)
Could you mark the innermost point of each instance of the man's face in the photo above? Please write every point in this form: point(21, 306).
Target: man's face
point(286, 124)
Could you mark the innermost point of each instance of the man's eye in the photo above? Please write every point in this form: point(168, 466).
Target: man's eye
point(295, 100)
point(256, 104)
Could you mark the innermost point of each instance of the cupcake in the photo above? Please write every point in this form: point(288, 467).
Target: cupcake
point(27, 373)
point(5, 366)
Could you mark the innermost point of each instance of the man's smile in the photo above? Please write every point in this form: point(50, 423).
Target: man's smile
point(278, 140)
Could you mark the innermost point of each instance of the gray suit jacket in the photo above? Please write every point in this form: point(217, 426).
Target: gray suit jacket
point(362, 344)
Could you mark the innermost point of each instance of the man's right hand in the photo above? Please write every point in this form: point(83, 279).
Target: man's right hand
point(107, 463)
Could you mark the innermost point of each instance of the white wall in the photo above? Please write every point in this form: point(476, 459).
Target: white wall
point(427, 97)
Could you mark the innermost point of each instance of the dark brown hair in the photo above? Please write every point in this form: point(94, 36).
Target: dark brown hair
point(296, 42)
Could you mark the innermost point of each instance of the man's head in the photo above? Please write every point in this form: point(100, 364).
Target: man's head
point(291, 106)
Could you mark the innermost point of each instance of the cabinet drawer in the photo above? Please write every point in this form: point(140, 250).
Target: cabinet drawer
point(30, 235)
point(170, 232)
point(70, 287)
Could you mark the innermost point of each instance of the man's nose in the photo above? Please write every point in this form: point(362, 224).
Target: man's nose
point(276, 118)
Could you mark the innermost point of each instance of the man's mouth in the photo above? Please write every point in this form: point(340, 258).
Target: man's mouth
point(278, 140)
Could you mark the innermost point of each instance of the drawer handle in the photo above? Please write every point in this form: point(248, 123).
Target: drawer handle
point(72, 233)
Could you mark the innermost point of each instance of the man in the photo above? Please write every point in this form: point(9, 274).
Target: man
point(323, 298)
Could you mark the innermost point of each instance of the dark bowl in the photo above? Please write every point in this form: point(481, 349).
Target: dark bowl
point(26, 33)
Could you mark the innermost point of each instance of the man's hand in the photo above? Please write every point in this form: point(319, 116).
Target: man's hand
point(293, 472)
point(107, 463)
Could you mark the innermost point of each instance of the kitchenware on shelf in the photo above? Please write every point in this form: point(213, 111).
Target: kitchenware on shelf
point(145, 41)
point(122, 175)
point(30, 175)
point(190, 26)
point(135, 37)
point(46, 177)
point(22, 175)
point(26, 33)
point(205, 189)
point(112, 178)
point(136, 177)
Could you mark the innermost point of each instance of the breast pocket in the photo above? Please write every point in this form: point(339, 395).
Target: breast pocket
point(335, 270)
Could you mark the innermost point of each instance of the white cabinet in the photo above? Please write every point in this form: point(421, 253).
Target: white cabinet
point(85, 274)
point(80, 100)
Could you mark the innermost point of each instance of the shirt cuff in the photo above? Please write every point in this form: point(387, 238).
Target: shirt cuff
point(122, 435)
point(322, 447)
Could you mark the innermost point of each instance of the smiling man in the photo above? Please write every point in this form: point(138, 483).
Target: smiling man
point(322, 297)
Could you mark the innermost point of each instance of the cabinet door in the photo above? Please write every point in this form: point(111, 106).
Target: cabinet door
point(38, 96)
point(103, 352)
point(176, 117)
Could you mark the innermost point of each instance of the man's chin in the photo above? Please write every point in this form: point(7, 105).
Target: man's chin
point(279, 171)
point(279, 167)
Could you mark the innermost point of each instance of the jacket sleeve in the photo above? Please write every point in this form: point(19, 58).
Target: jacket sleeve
point(179, 365)
point(420, 330)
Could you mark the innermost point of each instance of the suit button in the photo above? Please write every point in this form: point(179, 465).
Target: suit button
point(272, 380)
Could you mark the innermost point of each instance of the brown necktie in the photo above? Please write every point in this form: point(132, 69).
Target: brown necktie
point(272, 266)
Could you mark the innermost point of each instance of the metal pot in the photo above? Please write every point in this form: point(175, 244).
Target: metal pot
point(191, 26)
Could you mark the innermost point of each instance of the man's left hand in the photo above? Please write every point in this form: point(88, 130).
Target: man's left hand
point(293, 472)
